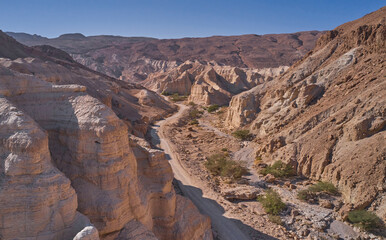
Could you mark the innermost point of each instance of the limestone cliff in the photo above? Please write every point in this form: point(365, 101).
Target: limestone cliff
point(326, 114)
point(65, 151)
point(57, 67)
point(209, 83)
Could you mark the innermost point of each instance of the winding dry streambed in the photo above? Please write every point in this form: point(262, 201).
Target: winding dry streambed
point(226, 229)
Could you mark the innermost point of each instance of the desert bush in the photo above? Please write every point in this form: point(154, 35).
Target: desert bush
point(165, 93)
point(175, 97)
point(325, 187)
point(213, 108)
point(305, 195)
point(242, 134)
point(275, 219)
point(311, 192)
point(220, 165)
point(195, 113)
point(224, 149)
point(192, 104)
point(279, 170)
point(271, 202)
point(364, 219)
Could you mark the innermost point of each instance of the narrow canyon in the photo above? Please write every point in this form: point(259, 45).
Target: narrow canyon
point(276, 136)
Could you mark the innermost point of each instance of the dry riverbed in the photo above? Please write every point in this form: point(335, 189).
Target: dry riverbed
point(192, 144)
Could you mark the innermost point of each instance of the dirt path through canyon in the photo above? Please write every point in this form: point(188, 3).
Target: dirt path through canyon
point(225, 228)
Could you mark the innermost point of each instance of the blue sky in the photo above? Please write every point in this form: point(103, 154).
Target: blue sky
point(176, 19)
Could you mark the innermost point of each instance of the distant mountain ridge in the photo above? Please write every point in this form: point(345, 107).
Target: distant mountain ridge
point(133, 58)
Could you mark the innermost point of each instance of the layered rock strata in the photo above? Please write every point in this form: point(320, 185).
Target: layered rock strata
point(117, 181)
point(209, 83)
point(326, 114)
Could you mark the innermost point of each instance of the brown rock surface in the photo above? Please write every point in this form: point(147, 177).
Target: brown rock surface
point(326, 114)
point(133, 59)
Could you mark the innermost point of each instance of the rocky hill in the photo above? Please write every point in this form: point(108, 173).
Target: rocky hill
point(70, 169)
point(208, 83)
point(326, 115)
point(132, 103)
point(133, 59)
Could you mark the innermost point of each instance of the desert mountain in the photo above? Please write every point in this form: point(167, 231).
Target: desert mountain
point(326, 115)
point(71, 170)
point(208, 83)
point(132, 103)
point(133, 59)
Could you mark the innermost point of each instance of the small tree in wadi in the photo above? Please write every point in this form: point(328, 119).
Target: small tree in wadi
point(272, 202)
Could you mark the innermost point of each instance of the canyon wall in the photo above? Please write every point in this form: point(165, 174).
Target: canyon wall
point(207, 84)
point(326, 114)
point(115, 181)
point(70, 167)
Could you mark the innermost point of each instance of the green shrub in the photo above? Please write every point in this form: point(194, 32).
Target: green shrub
point(165, 93)
point(220, 165)
point(242, 134)
point(192, 104)
point(279, 170)
point(213, 108)
point(271, 202)
point(175, 97)
point(324, 187)
point(364, 219)
point(224, 149)
point(305, 195)
point(195, 113)
point(275, 219)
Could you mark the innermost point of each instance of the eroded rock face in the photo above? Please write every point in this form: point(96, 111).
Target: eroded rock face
point(326, 114)
point(126, 100)
point(37, 200)
point(116, 180)
point(133, 59)
point(208, 84)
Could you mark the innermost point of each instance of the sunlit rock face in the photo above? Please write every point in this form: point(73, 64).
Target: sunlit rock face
point(326, 114)
point(57, 135)
point(209, 83)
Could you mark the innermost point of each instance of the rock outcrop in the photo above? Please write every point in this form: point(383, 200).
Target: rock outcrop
point(64, 151)
point(133, 59)
point(326, 114)
point(37, 200)
point(209, 83)
point(57, 67)
point(116, 182)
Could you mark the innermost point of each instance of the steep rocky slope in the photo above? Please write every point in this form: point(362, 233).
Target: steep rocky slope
point(209, 83)
point(133, 59)
point(132, 103)
point(118, 182)
point(70, 168)
point(326, 114)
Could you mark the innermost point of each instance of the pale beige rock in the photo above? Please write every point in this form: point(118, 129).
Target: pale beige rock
point(209, 83)
point(37, 201)
point(88, 233)
point(241, 193)
point(116, 180)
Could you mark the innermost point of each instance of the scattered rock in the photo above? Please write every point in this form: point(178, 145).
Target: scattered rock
point(241, 193)
point(326, 203)
point(269, 178)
